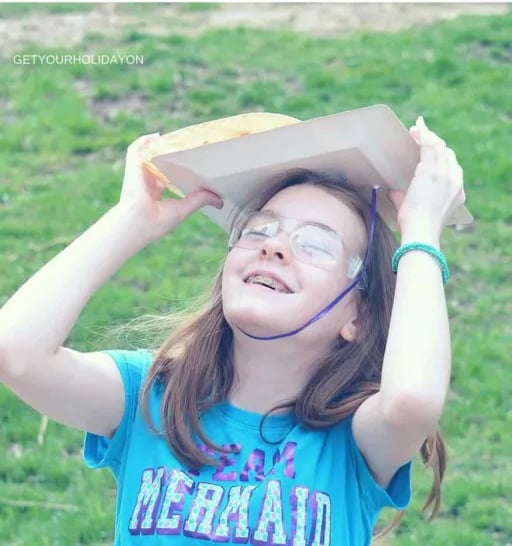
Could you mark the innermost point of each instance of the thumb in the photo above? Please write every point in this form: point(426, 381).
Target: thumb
point(190, 203)
point(396, 197)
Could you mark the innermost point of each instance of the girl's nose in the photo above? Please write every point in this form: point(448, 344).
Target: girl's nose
point(278, 246)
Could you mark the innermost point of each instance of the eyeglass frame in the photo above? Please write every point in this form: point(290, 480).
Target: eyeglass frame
point(354, 262)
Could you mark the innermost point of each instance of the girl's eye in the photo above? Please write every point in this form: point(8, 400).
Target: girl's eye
point(313, 245)
point(256, 232)
point(312, 249)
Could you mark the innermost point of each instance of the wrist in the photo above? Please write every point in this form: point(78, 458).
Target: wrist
point(420, 232)
point(134, 222)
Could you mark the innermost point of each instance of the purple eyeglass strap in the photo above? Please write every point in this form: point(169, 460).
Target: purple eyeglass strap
point(350, 287)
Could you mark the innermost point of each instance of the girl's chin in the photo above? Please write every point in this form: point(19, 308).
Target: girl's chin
point(262, 322)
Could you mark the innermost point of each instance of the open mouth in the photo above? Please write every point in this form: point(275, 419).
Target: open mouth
point(269, 283)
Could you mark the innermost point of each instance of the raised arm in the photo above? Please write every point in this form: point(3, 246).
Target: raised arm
point(83, 390)
point(391, 426)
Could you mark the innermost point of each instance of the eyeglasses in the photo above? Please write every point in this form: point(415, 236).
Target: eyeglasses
point(310, 242)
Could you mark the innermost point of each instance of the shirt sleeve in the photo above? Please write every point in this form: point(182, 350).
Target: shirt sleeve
point(398, 492)
point(100, 451)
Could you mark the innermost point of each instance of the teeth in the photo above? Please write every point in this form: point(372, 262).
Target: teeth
point(267, 281)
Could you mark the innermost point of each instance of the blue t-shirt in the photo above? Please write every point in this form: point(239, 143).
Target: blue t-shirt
point(312, 488)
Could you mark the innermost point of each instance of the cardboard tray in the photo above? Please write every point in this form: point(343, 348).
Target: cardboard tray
point(369, 145)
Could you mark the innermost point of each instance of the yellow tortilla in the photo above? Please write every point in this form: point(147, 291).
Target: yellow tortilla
point(207, 133)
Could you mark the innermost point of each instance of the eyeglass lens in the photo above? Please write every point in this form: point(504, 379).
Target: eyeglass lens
point(309, 243)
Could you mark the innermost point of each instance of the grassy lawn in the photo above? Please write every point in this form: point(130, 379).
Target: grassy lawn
point(65, 132)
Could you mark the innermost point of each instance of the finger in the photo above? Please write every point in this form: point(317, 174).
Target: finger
point(199, 199)
point(428, 156)
point(456, 173)
point(154, 185)
point(427, 150)
point(140, 141)
point(414, 132)
point(447, 164)
point(134, 149)
point(433, 149)
point(443, 159)
point(447, 167)
point(428, 136)
point(148, 175)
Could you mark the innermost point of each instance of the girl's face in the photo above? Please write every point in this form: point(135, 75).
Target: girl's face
point(264, 311)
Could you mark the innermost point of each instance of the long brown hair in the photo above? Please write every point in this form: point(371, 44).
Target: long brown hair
point(194, 366)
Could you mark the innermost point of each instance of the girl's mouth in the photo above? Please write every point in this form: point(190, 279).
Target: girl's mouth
point(268, 282)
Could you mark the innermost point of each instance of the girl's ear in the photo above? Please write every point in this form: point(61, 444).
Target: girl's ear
point(349, 330)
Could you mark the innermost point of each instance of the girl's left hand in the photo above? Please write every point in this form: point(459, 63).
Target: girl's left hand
point(437, 188)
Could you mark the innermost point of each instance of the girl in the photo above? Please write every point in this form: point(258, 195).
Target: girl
point(287, 411)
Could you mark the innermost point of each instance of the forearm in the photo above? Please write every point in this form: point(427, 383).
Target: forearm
point(38, 318)
point(417, 361)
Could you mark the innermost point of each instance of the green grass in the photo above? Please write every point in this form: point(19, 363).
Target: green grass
point(10, 10)
point(65, 132)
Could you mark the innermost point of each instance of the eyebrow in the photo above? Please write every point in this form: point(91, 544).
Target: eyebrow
point(302, 222)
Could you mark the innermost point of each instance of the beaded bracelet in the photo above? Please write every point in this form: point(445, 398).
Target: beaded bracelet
point(438, 255)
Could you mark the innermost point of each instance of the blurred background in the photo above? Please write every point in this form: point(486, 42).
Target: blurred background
point(64, 133)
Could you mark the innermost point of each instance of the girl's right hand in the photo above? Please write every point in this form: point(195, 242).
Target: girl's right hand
point(141, 194)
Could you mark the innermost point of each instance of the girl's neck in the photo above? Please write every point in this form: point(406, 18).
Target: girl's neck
point(268, 373)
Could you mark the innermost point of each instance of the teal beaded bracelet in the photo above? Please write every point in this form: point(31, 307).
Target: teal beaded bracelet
point(438, 255)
